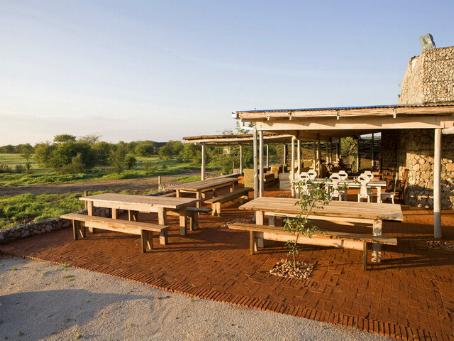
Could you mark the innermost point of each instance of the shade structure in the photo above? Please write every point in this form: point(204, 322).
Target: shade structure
point(326, 123)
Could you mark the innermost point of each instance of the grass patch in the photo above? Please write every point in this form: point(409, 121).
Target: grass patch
point(25, 208)
point(146, 167)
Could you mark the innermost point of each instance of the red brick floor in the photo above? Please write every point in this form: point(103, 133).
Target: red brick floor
point(409, 296)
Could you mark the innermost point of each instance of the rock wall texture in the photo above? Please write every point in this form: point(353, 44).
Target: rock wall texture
point(429, 78)
point(413, 150)
point(27, 230)
point(47, 225)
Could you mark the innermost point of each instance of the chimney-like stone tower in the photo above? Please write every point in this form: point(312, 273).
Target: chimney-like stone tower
point(429, 78)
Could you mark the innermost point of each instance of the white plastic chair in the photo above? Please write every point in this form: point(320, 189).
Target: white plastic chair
point(369, 174)
point(312, 174)
point(304, 177)
point(343, 175)
point(363, 190)
point(336, 193)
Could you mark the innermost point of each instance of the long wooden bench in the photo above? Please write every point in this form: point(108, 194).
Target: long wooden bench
point(326, 238)
point(80, 223)
point(218, 200)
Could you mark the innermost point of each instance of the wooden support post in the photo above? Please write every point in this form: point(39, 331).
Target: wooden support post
point(437, 184)
point(298, 154)
point(318, 156)
point(314, 147)
point(241, 159)
point(202, 168)
point(159, 183)
point(85, 194)
point(261, 175)
point(255, 154)
point(114, 213)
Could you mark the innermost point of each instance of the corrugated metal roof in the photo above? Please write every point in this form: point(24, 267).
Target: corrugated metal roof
point(381, 106)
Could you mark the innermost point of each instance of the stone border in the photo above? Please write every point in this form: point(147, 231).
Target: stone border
point(26, 230)
point(43, 226)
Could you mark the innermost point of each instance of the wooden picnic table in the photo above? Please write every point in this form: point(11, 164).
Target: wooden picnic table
point(199, 188)
point(341, 212)
point(142, 203)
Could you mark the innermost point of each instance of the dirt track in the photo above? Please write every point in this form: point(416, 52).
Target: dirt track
point(93, 185)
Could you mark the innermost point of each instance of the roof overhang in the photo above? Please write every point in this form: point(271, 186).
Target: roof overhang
point(236, 139)
point(351, 120)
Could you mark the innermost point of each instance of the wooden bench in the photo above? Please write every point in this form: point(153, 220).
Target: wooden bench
point(80, 223)
point(327, 238)
point(217, 201)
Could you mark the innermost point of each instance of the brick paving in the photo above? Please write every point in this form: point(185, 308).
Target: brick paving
point(409, 296)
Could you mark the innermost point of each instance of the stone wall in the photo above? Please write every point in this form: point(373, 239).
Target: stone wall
point(31, 229)
point(42, 226)
point(413, 150)
point(429, 78)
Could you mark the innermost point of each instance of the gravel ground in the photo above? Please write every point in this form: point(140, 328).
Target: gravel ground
point(40, 300)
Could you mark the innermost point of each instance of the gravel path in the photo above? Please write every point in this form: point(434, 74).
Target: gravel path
point(39, 300)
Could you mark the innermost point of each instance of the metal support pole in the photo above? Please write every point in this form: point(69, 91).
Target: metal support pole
point(292, 166)
point(372, 151)
point(254, 151)
point(261, 175)
point(202, 168)
point(298, 154)
point(241, 159)
point(437, 184)
point(267, 156)
point(284, 159)
point(357, 154)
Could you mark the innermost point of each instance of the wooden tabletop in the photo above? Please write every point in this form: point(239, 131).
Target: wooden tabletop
point(204, 184)
point(166, 202)
point(344, 209)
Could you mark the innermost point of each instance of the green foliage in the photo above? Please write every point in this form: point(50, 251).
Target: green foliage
point(145, 148)
point(311, 195)
point(64, 138)
point(130, 161)
point(118, 157)
point(26, 208)
point(171, 149)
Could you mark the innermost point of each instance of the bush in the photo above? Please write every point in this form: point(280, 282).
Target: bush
point(130, 161)
point(145, 148)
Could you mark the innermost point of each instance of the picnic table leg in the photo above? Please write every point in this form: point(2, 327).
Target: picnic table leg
point(114, 213)
point(198, 196)
point(182, 218)
point(90, 213)
point(376, 248)
point(177, 193)
point(271, 220)
point(259, 221)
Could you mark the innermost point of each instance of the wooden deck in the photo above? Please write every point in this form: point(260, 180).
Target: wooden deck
point(408, 296)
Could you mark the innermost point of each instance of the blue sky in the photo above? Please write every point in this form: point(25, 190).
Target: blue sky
point(129, 70)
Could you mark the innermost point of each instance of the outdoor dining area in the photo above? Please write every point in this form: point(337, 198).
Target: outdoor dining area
point(373, 258)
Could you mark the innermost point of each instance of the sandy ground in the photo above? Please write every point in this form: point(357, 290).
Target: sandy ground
point(40, 300)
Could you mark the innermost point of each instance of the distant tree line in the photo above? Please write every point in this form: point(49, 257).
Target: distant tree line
point(71, 154)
